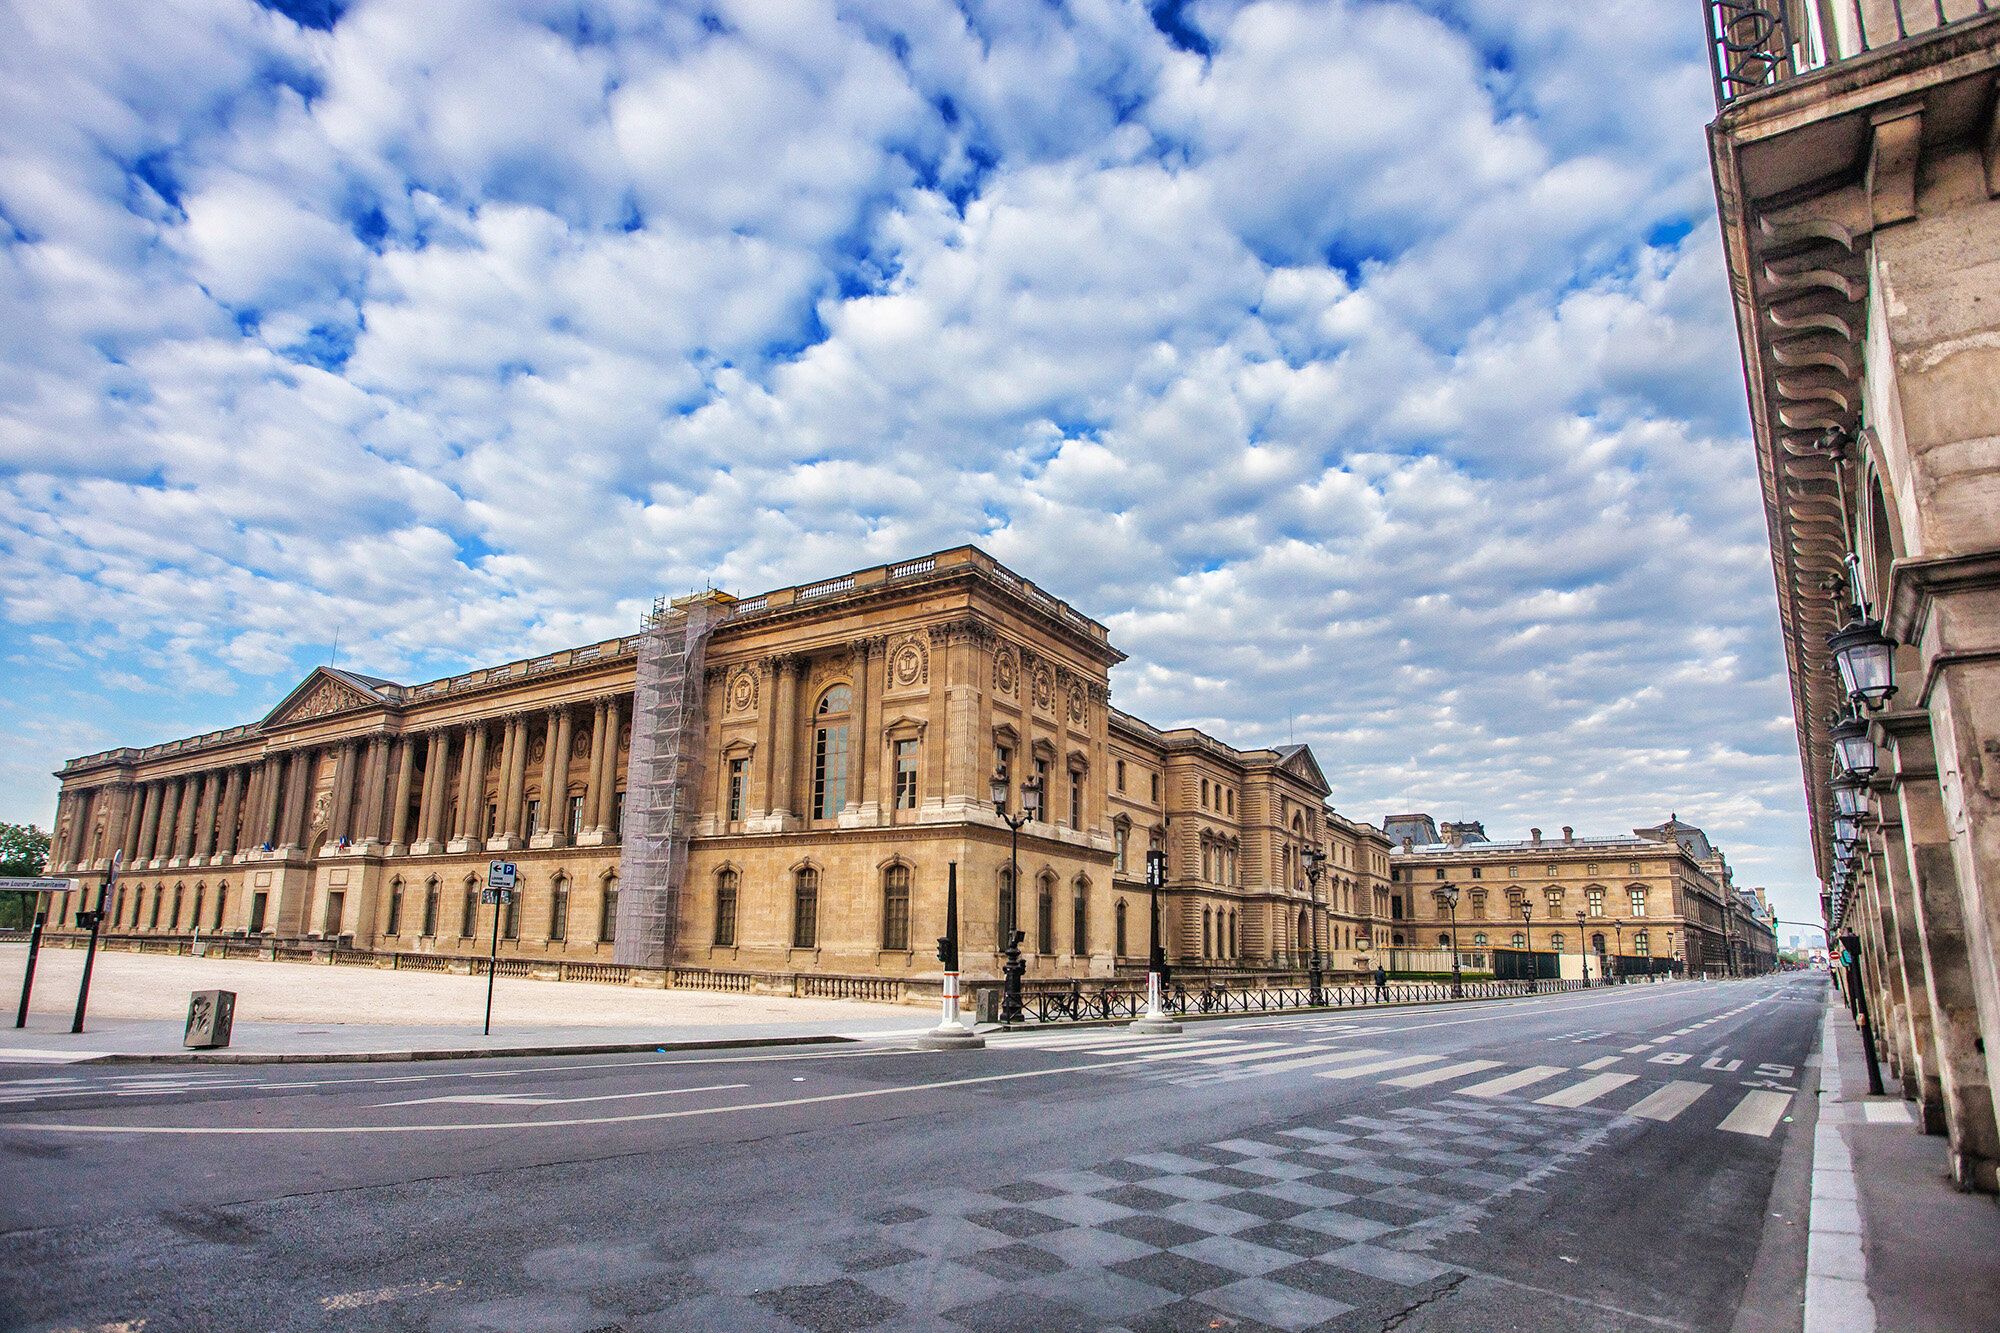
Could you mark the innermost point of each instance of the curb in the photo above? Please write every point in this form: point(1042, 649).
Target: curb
point(467, 1053)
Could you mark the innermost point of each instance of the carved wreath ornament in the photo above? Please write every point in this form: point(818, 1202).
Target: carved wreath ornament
point(907, 664)
point(1003, 670)
point(743, 692)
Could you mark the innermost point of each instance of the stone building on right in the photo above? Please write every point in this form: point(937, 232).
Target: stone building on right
point(1857, 174)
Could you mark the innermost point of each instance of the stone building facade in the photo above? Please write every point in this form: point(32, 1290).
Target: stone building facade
point(849, 733)
point(1662, 894)
point(1857, 170)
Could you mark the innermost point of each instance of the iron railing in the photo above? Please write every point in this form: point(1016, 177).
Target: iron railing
point(1754, 44)
point(1076, 1004)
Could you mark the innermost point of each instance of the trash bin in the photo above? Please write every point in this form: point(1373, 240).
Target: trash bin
point(210, 1013)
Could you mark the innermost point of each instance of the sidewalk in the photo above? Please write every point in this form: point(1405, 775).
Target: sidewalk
point(1892, 1246)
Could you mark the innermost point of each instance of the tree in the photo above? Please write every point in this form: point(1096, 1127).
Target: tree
point(24, 850)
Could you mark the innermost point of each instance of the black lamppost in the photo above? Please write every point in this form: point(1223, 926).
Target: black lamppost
point(1155, 1019)
point(1031, 805)
point(1314, 861)
point(1582, 952)
point(1450, 896)
point(1528, 942)
point(1618, 928)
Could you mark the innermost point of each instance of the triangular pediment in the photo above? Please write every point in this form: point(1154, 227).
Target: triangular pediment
point(321, 694)
point(1298, 761)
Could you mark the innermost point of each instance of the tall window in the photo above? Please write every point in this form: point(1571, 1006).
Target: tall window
point(1556, 941)
point(896, 907)
point(1048, 793)
point(607, 912)
point(534, 824)
point(1080, 919)
point(468, 918)
point(431, 907)
point(1156, 789)
point(221, 901)
point(739, 771)
point(559, 909)
point(805, 909)
point(1555, 897)
point(906, 775)
point(829, 793)
point(510, 925)
point(194, 914)
point(159, 896)
point(1120, 836)
point(1076, 800)
point(492, 819)
point(1207, 948)
point(1640, 944)
point(179, 891)
point(1121, 775)
point(725, 908)
point(258, 903)
point(1204, 804)
point(395, 906)
point(1003, 761)
point(1118, 918)
point(575, 818)
point(1638, 902)
point(1595, 899)
point(1005, 913)
point(1231, 794)
point(1045, 915)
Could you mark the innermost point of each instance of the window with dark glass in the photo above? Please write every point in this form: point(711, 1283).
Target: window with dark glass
point(829, 771)
point(468, 920)
point(896, 907)
point(805, 909)
point(607, 913)
point(1119, 918)
point(395, 907)
point(1079, 932)
point(431, 908)
point(1006, 914)
point(725, 908)
point(739, 770)
point(1076, 800)
point(575, 817)
point(559, 909)
point(1045, 916)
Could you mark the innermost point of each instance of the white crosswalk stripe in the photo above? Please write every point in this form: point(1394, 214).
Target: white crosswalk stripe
point(1668, 1102)
point(1506, 1083)
point(1758, 1113)
point(1601, 1062)
point(1424, 1078)
point(1588, 1091)
point(1378, 1066)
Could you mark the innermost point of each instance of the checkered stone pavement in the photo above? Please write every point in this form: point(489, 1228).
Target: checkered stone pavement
point(1311, 1226)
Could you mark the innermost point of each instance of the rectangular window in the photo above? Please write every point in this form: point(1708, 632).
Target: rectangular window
point(575, 818)
point(1045, 918)
point(1003, 763)
point(1513, 872)
point(395, 906)
point(1156, 789)
point(906, 775)
point(1638, 902)
point(1048, 793)
point(492, 819)
point(1080, 924)
point(739, 770)
point(535, 815)
point(558, 910)
point(1204, 793)
point(725, 908)
point(336, 913)
point(829, 771)
point(1440, 874)
point(1004, 912)
point(1076, 800)
point(805, 910)
point(258, 903)
point(617, 812)
point(1232, 801)
point(1475, 872)
point(509, 928)
point(1596, 901)
point(1633, 869)
point(1552, 870)
point(1121, 775)
point(1121, 836)
point(896, 908)
point(468, 919)
point(607, 913)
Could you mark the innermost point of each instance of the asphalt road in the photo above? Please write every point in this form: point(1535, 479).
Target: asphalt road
point(1593, 1161)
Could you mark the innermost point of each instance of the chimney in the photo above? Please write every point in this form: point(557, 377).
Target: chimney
point(1569, 834)
point(1535, 836)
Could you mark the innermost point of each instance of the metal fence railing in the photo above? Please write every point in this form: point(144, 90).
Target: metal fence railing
point(1076, 1004)
point(1757, 43)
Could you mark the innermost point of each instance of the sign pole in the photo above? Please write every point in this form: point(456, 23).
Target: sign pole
point(95, 918)
point(499, 892)
point(28, 980)
point(492, 967)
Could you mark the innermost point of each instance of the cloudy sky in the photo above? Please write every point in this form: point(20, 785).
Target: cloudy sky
point(1366, 367)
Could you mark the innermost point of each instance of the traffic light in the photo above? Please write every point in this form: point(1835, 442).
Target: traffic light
point(946, 954)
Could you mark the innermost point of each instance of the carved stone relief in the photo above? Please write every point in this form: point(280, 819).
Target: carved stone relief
point(325, 697)
point(1005, 670)
point(1045, 689)
point(909, 664)
point(742, 694)
point(1076, 700)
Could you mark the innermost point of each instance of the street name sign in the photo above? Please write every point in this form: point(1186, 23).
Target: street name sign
point(36, 885)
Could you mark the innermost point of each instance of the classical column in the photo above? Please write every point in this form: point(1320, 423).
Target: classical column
point(204, 817)
point(549, 727)
point(293, 812)
point(937, 713)
point(139, 826)
point(475, 781)
point(374, 782)
point(862, 760)
point(232, 807)
point(608, 783)
point(167, 833)
point(340, 825)
point(517, 784)
point(399, 809)
point(270, 792)
point(555, 769)
point(503, 792)
point(593, 790)
point(784, 741)
point(762, 797)
point(430, 809)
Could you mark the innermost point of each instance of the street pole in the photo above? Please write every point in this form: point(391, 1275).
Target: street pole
point(1457, 985)
point(94, 918)
point(28, 978)
point(1011, 973)
point(950, 1034)
point(1582, 953)
point(1528, 941)
point(1156, 1020)
point(1315, 864)
point(493, 965)
point(1850, 945)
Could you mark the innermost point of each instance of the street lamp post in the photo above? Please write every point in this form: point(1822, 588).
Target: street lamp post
point(1315, 863)
point(1528, 940)
point(1451, 902)
point(1618, 929)
point(1156, 1021)
point(1031, 805)
point(1582, 952)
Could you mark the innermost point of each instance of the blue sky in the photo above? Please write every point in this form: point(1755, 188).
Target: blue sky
point(1366, 367)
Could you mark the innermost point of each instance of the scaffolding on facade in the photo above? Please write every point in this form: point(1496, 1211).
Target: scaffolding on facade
point(662, 771)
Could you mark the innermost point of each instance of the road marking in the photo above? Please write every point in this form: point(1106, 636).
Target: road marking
point(1582, 1094)
point(1304, 1062)
point(1424, 1078)
point(1640, 1049)
point(1495, 1087)
point(527, 1099)
point(1239, 1057)
point(1758, 1113)
point(1602, 1062)
point(1379, 1066)
point(1669, 1101)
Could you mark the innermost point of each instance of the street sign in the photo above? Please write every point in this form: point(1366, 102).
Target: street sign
point(499, 874)
point(36, 885)
point(496, 895)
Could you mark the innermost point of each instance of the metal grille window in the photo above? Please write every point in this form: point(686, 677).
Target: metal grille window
point(607, 913)
point(896, 908)
point(559, 909)
point(829, 794)
point(739, 770)
point(906, 775)
point(805, 909)
point(725, 908)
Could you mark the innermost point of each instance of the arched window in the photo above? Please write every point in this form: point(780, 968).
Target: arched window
point(1444, 941)
point(1304, 939)
point(221, 902)
point(1045, 915)
point(431, 906)
point(559, 909)
point(510, 919)
point(179, 890)
point(829, 793)
point(1006, 913)
point(393, 925)
point(1207, 926)
point(805, 908)
point(1080, 918)
point(896, 907)
point(1121, 834)
point(159, 897)
point(468, 918)
point(1597, 943)
point(1118, 917)
point(725, 908)
point(607, 912)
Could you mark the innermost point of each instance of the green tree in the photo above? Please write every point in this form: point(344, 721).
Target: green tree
point(24, 850)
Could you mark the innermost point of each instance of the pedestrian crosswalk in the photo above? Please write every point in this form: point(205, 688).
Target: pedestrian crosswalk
point(1197, 1059)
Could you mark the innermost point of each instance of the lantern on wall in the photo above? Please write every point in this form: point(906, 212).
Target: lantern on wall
point(1853, 747)
point(1850, 794)
point(1866, 660)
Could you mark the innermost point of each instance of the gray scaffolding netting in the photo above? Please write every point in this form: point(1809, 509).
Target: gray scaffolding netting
point(662, 770)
